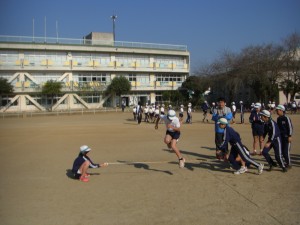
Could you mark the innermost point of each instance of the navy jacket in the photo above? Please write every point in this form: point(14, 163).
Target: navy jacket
point(255, 120)
point(271, 128)
point(81, 159)
point(204, 106)
point(230, 136)
point(285, 126)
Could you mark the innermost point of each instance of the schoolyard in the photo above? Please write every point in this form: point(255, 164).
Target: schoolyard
point(142, 184)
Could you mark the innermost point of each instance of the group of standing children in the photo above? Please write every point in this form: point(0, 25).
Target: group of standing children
point(262, 124)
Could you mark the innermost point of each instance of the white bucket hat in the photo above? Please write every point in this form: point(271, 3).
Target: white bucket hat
point(281, 107)
point(222, 121)
point(171, 115)
point(85, 148)
point(257, 105)
point(265, 113)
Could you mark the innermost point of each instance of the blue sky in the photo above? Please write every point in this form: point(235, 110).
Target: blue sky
point(206, 27)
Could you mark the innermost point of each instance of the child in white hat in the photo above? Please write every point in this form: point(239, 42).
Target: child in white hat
point(82, 163)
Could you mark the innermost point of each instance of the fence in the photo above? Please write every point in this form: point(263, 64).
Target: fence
point(61, 113)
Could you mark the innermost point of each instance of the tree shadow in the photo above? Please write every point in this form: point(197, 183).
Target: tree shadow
point(145, 167)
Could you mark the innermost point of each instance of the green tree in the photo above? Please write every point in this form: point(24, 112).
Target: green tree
point(5, 88)
point(52, 88)
point(173, 97)
point(194, 87)
point(118, 86)
point(292, 62)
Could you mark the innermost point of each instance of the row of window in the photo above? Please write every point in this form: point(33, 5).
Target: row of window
point(101, 77)
point(84, 58)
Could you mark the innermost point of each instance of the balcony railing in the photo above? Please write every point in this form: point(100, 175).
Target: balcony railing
point(89, 42)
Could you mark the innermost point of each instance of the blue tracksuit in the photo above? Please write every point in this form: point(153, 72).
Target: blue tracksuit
point(221, 113)
point(271, 128)
point(286, 130)
point(217, 114)
point(232, 137)
point(204, 107)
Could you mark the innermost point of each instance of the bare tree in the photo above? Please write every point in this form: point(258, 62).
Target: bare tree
point(255, 74)
point(291, 60)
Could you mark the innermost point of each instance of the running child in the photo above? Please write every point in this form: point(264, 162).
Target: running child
point(172, 133)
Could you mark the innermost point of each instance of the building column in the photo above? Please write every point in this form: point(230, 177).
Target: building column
point(22, 103)
point(152, 97)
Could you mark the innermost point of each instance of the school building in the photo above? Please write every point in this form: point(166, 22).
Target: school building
point(85, 67)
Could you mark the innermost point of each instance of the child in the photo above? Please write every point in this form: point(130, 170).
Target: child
point(257, 127)
point(82, 163)
point(172, 133)
point(274, 141)
point(286, 130)
point(181, 113)
point(232, 137)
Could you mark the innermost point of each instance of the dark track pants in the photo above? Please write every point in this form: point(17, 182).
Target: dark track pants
point(276, 145)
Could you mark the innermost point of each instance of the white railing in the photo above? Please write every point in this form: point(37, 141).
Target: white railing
point(71, 41)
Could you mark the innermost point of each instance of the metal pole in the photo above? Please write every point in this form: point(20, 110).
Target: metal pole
point(56, 31)
point(45, 28)
point(33, 29)
point(114, 17)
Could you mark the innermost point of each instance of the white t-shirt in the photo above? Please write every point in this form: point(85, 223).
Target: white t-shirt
point(175, 122)
point(233, 108)
point(181, 109)
point(162, 109)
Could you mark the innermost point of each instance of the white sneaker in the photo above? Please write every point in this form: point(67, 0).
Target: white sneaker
point(260, 168)
point(241, 170)
point(181, 162)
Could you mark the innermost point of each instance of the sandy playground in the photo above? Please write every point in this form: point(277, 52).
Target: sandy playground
point(143, 184)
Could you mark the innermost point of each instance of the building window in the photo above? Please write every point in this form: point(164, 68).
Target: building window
point(132, 77)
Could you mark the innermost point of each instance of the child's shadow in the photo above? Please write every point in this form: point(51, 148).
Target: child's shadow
point(71, 175)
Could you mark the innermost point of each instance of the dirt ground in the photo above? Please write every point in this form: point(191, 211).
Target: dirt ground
point(142, 184)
